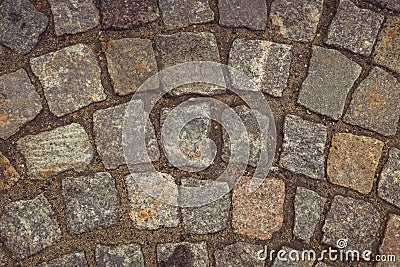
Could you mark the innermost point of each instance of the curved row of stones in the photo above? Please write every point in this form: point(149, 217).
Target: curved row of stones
point(92, 202)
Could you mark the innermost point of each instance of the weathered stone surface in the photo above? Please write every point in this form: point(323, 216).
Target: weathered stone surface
point(70, 78)
point(296, 20)
point(108, 125)
point(119, 256)
point(330, 78)
point(29, 226)
point(238, 254)
point(322, 264)
point(354, 28)
point(21, 25)
point(389, 182)
point(303, 147)
point(4, 259)
point(185, 47)
point(125, 14)
point(241, 13)
point(19, 102)
point(351, 219)
point(183, 254)
point(8, 175)
point(389, 4)
point(391, 241)
point(91, 202)
point(178, 14)
point(387, 50)
point(292, 258)
point(52, 152)
point(147, 212)
point(77, 259)
point(266, 63)
point(308, 207)
point(375, 103)
point(258, 214)
point(74, 16)
point(131, 61)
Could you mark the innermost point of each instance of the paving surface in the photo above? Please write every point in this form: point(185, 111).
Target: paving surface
point(329, 69)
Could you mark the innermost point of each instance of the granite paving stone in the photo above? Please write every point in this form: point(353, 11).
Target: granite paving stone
point(389, 182)
point(331, 75)
point(145, 211)
point(238, 254)
point(389, 4)
point(8, 175)
point(354, 220)
point(266, 63)
point(131, 61)
point(4, 259)
point(258, 214)
point(91, 202)
point(303, 147)
point(129, 255)
point(353, 161)
point(391, 240)
point(29, 226)
point(122, 14)
point(322, 264)
point(21, 25)
point(296, 20)
point(241, 13)
point(108, 125)
point(76, 259)
point(73, 16)
point(183, 254)
point(70, 78)
point(374, 104)
point(20, 103)
point(51, 152)
point(387, 50)
point(354, 28)
point(308, 207)
point(178, 14)
point(292, 258)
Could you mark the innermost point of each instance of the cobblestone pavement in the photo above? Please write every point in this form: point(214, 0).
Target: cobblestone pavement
point(329, 69)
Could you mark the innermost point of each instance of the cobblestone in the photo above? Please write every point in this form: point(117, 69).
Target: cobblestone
point(70, 78)
point(8, 175)
point(321, 264)
point(4, 259)
point(375, 103)
point(354, 28)
point(391, 240)
point(353, 160)
point(29, 226)
point(52, 152)
point(293, 257)
point(389, 183)
point(91, 202)
point(390, 4)
point(77, 259)
point(183, 254)
point(303, 147)
point(330, 78)
point(238, 254)
point(119, 256)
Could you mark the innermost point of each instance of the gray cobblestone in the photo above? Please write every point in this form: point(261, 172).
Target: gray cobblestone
point(77, 259)
point(389, 183)
point(183, 254)
point(390, 4)
point(119, 256)
point(238, 254)
point(294, 259)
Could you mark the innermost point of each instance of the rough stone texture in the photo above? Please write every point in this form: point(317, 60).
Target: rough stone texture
point(185, 47)
point(266, 63)
point(389, 183)
point(19, 102)
point(303, 147)
point(308, 207)
point(206, 219)
point(108, 125)
point(296, 20)
point(21, 25)
point(29, 226)
point(70, 78)
point(73, 16)
point(77, 259)
point(4, 259)
point(387, 50)
point(126, 14)
point(52, 152)
point(354, 28)
point(391, 240)
point(351, 219)
point(259, 214)
point(8, 175)
point(241, 13)
point(330, 78)
point(183, 254)
point(353, 160)
point(147, 212)
point(238, 254)
point(375, 103)
point(119, 256)
point(294, 259)
point(91, 202)
point(389, 4)
point(322, 264)
point(178, 14)
point(131, 61)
